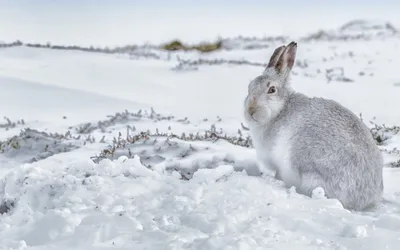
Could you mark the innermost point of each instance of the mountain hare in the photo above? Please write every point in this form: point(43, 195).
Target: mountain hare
point(312, 142)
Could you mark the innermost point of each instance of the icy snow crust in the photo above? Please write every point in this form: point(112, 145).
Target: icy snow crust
point(184, 175)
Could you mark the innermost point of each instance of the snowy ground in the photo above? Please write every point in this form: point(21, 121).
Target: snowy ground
point(86, 163)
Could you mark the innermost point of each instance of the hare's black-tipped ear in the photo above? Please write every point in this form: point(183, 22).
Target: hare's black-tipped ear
point(275, 56)
point(286, 59)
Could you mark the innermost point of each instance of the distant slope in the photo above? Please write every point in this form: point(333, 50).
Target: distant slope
point(25, 99)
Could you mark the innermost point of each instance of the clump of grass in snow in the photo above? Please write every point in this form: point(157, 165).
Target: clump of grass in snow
point(9, 124)
point(395, 164)
point(176, 45)
point(187, 64)
point(31, 145)
point(382, 133)
point(179, 153)
point(143, 137)
point(123, 118)
point(6, 206)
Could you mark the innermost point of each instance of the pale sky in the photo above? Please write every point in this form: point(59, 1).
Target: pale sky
point(117, 22)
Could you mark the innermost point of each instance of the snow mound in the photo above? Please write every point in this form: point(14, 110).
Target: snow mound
point(366, 27)
point(32, 145)
point(124, 204)
point(184, 155)
point(356, 30)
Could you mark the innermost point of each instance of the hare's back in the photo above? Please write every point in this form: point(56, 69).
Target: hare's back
point(325, 124)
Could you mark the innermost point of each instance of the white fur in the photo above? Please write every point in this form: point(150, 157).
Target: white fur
point(277, 153)
point(280, 155)
point(258, 142)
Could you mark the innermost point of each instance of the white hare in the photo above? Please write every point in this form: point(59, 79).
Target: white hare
point(312, 142)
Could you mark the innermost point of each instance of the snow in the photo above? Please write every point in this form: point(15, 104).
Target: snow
point(86, 163)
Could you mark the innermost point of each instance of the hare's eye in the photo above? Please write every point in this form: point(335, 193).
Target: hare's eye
point(271, 90)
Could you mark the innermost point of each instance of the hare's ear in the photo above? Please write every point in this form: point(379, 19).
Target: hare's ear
point(275, 56)
point(286, 60)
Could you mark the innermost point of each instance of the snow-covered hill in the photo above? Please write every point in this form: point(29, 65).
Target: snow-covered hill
point(131, 151)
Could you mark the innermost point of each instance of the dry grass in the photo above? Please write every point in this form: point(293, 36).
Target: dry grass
point(177, 45)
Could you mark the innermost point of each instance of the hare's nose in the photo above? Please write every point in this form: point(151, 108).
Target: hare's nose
point(252, 106)
point(252, 110)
